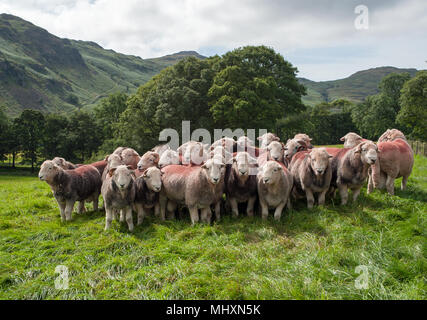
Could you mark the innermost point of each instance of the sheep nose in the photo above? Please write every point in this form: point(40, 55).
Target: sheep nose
point(266, 180)
point(122, 185)
point(320, 170)
point(276, 158)
point(215, 179)
point(242, 172)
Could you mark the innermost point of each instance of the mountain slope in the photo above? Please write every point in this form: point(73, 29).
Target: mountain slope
point(41, 71)
point(354, 88)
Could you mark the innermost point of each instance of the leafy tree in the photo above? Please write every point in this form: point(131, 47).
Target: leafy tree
point(253, 87)
point(83, 135)
point(29, 129)
point(414, 106)
point(4, 133)
point(177, 93)
point(55, 137)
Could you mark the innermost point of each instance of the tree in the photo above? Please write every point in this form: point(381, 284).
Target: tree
point(83, 135)
point(55, 137)
point(414, 106)
point(252, 88)
point(4, 133)
point(177, 93)
point(29, 129)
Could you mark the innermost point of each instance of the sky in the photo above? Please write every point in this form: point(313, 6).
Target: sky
point(324, 39)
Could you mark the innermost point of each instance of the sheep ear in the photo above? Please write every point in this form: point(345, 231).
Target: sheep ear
point(144, 173)
point(342, 139)
point(106, 158)
point(157, 157)
point(276, 139)
point(111, 171)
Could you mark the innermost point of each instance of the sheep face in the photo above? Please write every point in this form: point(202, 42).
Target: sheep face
point(244, 163)
point(153, 178)
point(271, 172)
point(304, 137)
point(60, 162)
point(122, 176)
point(293, 146)
point(130, 156)
point(267, 138)
point(244, 142)
point(194, 153)
point(351, 140)
point(222, 152)
point(114, 160)
point(214, 169)
point(275, 150)
point(48, 170)
point(149, 159)
point(167, 158)
point(319, 160)
point(368, 152)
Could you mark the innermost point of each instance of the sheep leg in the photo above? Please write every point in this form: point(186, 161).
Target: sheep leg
point(194, 214)
point(162, 202)
point(129, 218)
point(289, 204)
point(171, 207)
point(310, 198)
point(234, 207)
point(140, 213)
point(390, 185)
point(356, 193)
point(404, 182)
point(279, 209)
point(206, 215)
point(108, 217)
point(321, 198)
point(343, 193)
point(69, 209)
point(157, 210)
point(264, 210)
point(217, 211)
point(62, 209)
point(122, 215)
point(95, 202)
point(250, 207)
point(81, 208)
point(370, 183)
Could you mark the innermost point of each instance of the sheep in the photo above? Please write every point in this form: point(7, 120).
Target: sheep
point(69, 186)
point(118, 191)
point(350, 168)
point(396, 159)
point(113, 161)
point(228, 143)
point(351, 140)
point(391, 135)
point(193, 153)
point(147, 187)
point(197, 187)
point(244, 142)
point(220, 151)
point(241, 184)
point(275, 151)
point(274, 182)
point(169, 157)
point(266, 139)
point(312, 174)
point(292, 147)
point(304, 137)
point(148, 159)
point(64, 164)
point(130, 157)
point(160, 149)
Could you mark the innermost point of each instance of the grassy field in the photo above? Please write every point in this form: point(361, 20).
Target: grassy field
point(307, 255)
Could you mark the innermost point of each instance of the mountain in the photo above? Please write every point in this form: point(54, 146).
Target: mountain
point(354, 88)
point(41, 71)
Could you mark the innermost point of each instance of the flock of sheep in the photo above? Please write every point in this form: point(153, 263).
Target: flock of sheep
point(198, 176)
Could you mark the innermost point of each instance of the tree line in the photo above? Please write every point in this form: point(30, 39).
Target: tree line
point(250, 88)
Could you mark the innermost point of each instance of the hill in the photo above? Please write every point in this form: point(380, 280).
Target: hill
point(354, 88)
point(41, 71)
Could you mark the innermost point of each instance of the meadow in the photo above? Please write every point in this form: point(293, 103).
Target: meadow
point(309, 254)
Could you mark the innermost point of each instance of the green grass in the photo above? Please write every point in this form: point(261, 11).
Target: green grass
point(307, 255)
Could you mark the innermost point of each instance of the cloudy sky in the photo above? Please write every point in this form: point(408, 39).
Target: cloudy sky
point(318, 37)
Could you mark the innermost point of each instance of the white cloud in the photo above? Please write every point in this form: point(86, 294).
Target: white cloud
point(151, 28)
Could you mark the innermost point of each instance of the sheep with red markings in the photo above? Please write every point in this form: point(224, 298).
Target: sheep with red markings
point(64, 164)
point(352, 139)
point(350, 168)
point(169, 157)
point(304, 137)
point(293, 146)
point(312, 173)
point(148, 159)
point(68, 186)
point(274, 182)
point(118, 191)
point(274, 151)
point(266, 139)
point(396, 159)
point(197, 187)
point(241, 184)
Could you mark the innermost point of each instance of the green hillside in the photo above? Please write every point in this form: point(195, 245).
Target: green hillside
point(354, 88)
point(41, 71)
